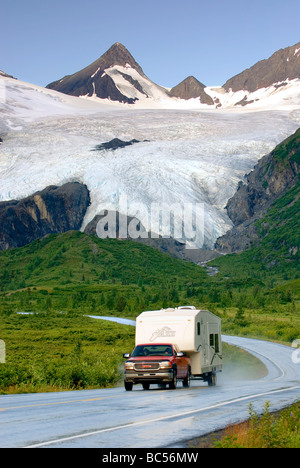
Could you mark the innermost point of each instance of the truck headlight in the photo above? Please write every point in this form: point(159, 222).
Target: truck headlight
point(166, 365)
point(129, 365)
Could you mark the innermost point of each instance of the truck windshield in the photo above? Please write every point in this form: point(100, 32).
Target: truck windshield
point(152, 350)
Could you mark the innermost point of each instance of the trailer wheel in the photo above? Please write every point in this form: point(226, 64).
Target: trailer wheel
point(212, 379)
point(187, 381)
point(128, 386)
point(173, 383)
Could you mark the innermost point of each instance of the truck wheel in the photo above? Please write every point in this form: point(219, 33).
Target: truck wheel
point(212, 379)
point(128, 386)
point(173, 383)
point(187, 381)
point(146, 386)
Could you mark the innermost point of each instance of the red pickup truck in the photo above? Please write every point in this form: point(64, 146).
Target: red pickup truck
point(159, 363)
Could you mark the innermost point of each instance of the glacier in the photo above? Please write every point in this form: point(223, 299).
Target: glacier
point(183, 155)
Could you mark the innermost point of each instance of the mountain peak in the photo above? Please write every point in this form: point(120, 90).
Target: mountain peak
point(118, 45)
point(103, 79)
point(191, 88)
point(117, 54)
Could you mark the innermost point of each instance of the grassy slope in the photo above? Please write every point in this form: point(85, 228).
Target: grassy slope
point(289, 149)
point(52, 352)
point(76, 259)
point(74, 271)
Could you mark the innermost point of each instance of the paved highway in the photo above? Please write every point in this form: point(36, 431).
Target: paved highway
point(113, 418)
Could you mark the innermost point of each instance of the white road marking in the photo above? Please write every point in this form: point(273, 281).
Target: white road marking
point(163, 418)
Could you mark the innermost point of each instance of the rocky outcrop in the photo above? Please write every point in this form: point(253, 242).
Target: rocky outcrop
point(5, 75)
point(191, 88)
point(281, 66)
point(114, 144)
point(52, 210)
point(271, 178)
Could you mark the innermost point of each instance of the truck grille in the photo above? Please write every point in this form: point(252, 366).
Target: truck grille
point(147, 366)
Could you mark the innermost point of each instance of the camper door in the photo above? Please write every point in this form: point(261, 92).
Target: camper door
point(214, 342)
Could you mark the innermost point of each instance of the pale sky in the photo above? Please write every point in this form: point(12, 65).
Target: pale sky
point(43, 41)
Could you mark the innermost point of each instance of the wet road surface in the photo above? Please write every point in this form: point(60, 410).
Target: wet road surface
point(114, 418)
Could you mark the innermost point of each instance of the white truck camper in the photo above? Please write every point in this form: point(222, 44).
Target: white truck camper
point(196, 333)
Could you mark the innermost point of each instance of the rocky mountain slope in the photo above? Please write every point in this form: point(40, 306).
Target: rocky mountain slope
point(283, 65)
point(2, 73)
point(53, 210)
point(191, 88)
point(275, 176)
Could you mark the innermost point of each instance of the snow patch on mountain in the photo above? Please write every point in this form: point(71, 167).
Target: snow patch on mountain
point(94, 74)
point(279, 95)
point(150, 90)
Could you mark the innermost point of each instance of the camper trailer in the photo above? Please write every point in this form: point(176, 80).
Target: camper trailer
point(195, 338)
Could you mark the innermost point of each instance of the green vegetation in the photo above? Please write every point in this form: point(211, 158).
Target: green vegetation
point(279, 430)
point(52, 352)
point(279, 232)
point(76, 271)
point(289, 149)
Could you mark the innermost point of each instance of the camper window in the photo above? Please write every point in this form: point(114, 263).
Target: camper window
point(214, 342)
point(217, 349)
point(198, 328)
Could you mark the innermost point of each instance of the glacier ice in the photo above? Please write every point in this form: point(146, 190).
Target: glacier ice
point(191, 156)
